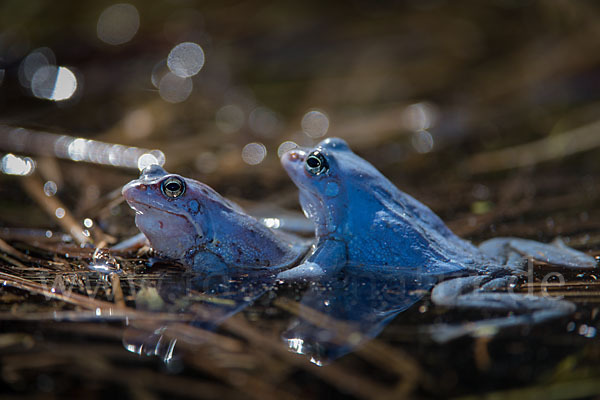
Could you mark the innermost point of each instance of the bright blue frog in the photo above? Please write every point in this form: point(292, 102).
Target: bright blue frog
point(188, 221)
point(362, 220)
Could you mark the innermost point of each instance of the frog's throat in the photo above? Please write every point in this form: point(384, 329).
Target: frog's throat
point(315, 209)
point(187, 216)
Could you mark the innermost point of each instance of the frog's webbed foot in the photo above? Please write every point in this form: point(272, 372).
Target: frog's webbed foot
point(511, 251)
point(475, 292)
point(328, 258)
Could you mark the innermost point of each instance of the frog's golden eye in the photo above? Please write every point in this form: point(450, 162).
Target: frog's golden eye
point(316, 163)
point(173, 187)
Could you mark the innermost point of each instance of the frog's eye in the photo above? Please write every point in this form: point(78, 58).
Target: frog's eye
point(173, 187)
point(316, 163)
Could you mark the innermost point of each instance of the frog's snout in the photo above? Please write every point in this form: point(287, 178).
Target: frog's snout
point(129, 190)
point(293, 155)
point(292, 162)
point(291, 159)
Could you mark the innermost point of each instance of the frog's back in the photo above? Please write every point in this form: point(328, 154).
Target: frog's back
point(383, 226)
point(401, 232)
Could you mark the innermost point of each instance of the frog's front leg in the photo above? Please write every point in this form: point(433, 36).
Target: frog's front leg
point(512, 250)
point(328, 257)
point(475, 292)
point(208, 262)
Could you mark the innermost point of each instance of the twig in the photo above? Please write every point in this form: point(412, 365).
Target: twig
point(550, 148)
point(117, 291)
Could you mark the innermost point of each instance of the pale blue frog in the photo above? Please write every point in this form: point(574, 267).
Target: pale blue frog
point(363, 221)
point(188, 221)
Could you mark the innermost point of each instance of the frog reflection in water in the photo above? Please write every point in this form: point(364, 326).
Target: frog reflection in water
point(362, 220)
point(188, 221)
point(352, 308)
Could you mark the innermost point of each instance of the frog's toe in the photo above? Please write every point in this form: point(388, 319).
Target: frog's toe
point(474, 292)
point(556, 253)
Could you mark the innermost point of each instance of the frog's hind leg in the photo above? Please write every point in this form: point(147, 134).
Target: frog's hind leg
point(511, 251)
point(475, 292)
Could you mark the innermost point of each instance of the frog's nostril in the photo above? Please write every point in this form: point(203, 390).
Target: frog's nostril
point(292, 155)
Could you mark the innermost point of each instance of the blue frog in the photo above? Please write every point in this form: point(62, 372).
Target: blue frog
point(188, 221)
point(364, 221)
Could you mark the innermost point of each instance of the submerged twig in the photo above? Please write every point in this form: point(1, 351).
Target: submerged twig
point(117, 291)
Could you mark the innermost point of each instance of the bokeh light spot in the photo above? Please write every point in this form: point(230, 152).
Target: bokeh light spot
point(53, 83)
point(35, 60)
point(254, 153)
point(229, 118)
point(118, 24)
point(419, 116)
point(15, 165)
point(285, 147)
point(422, 141)
point(160, 156)
point(146, 160)
point(50, 188)
point(158, 71)
point(315, 124)
point(66, 84)
point(186, 59)
point(77, 149)
point(175, 89)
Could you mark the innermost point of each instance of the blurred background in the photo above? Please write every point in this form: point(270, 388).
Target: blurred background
point(432, 92)
point(488, 112)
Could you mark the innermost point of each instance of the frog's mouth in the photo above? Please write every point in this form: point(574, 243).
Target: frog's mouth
point(140, 208)
point(145, 210)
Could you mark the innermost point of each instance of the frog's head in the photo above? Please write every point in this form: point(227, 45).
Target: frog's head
point(175, 213)
point(334, 182)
